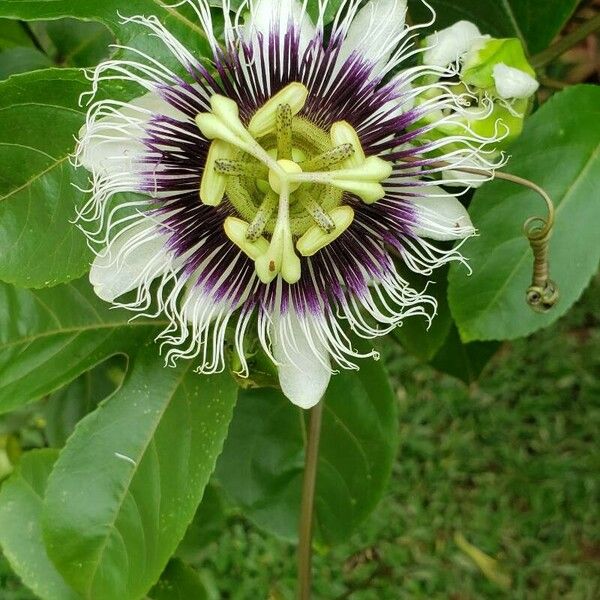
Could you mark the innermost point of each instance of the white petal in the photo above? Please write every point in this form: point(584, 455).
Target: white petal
point(303, 373)
point(113, 143)
point(134, 256)
point(440, 216)
point(513, 83)
point(375, 31)
point(278, 15)
point(448, 45)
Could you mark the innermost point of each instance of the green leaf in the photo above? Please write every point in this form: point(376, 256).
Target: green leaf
point(535, 23)
point(20, 60)
point(130, 478)
point(21, 501)
point(49, 337)
point(559, 150)
point(186, 27)
point(74, 43)
point(13, 33)
point(332, 8)
point(262, 464)
point(208, 524)
point(463, 361)
point(39, 116)
point(107, 11)
point(179, 582)
point(65, 408)
point(415, 334)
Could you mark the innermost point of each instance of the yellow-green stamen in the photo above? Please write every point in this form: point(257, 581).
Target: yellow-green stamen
point(228, 167)
point(237, 230)
point(315, 210)
point(329, 159)
point(284, 132)
point(264, 213)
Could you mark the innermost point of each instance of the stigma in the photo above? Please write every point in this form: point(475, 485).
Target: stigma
point(285, 178)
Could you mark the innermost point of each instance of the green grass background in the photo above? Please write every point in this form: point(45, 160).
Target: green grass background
point(511, 463)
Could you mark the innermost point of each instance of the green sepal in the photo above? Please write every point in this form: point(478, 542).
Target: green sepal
point(479, 63)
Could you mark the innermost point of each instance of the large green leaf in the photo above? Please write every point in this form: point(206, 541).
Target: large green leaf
point(21, 501)
point(74, 43)
point(560, 150)
point(262, 464)
point(20, 60)
point(463, 361)
point(182, 23)
point(39, 116)
point(535, 22)
point(49, 337)
point(206, 527)
point(179, 582)
point(107, 11)
point(13, 33)
point(131, 476)
point(65, 408)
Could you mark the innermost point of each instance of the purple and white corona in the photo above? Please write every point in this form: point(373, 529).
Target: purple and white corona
point(280, 182)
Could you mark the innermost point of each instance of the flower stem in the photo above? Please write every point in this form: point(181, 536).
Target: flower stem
point(308, 502)
point(566, 43)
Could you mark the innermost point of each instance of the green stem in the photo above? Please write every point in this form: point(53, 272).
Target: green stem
point(308, 502)
point(566, 43)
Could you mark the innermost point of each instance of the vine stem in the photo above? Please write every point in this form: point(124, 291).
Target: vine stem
point(500, 175)
point(305, 530)
point(519, 181)
point(566, 43)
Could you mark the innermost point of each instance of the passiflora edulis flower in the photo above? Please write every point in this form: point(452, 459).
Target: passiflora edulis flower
point(280, 182)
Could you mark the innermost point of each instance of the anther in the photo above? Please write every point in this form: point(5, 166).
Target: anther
point(213, 184)
point(253, 169)
point(223, 123)
point(364, 180)
point(280, 257)
point(264, 213)
point(284, 132)
point(264, 120)
point(236, 230)
point(315, 210)
point(327, 160)
point(343, 133)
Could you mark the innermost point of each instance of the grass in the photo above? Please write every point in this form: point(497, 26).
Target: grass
point(511, 464)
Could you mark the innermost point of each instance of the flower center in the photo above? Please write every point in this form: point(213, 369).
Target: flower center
point(277, 182)
point(285, 177)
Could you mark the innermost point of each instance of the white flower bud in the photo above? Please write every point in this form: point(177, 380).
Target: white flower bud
point(448, 45)
point(513, 83)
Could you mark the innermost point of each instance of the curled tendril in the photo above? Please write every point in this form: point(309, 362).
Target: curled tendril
point(542, 294)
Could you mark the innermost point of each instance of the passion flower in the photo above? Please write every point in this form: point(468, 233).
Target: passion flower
point(279, 185)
